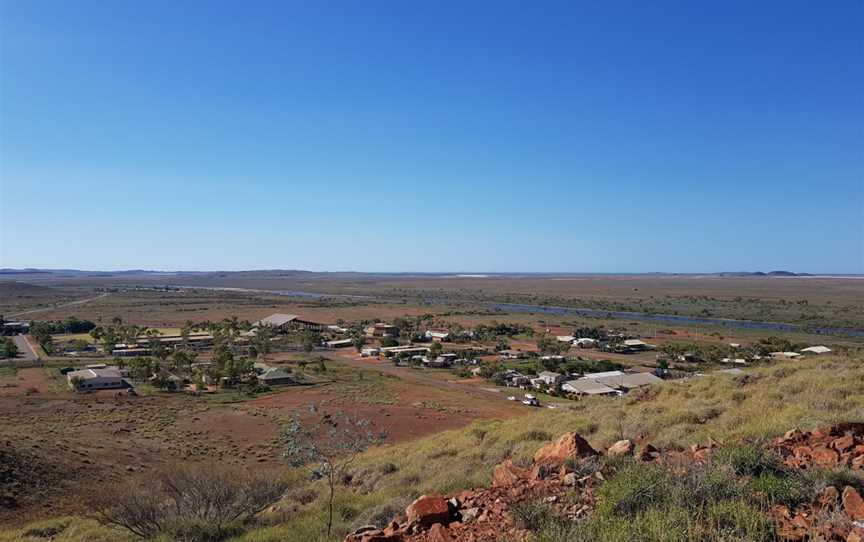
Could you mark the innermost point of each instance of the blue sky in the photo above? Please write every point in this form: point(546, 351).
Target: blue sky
point(432, 136)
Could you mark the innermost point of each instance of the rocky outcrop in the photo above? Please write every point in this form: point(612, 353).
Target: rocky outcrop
point(840, 445)
point(835, 514)
point(569, 446)
point(568, 467)
point(483, 515)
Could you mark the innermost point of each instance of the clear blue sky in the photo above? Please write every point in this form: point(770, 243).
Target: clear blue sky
point(432, 136)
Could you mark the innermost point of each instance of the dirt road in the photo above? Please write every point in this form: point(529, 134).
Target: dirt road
point(62, 305)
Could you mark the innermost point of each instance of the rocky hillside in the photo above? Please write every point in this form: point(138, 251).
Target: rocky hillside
point(806, 485)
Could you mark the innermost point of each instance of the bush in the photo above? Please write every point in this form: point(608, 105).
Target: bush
point(746, 459)
point(634, 489)
point(535, 434)
point(769, 489)
point(193, 503)
point(532, 516)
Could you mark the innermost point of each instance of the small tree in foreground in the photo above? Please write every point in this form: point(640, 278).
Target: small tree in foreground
point(189, 502)
point(327, 446)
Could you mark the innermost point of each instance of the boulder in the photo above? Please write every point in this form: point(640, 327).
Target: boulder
point(507, 474)
point(570, 445)
point(824, 457)
point(428, 510)
point(843, 444)
point(621, 448)
point(371, 533)
point(439, 533)
point(828, 498)
point(853, 504)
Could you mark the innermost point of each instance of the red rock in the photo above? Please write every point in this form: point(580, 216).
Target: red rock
point(793, 434)
point(824, 457)
point(822, 432)
point(428, 509)
point(570, 445)
point(853, 504)
point(829, 497)
point(621, 448)
point(439, 533)
point(382, 537)
point(507, 474)
point(843, 443)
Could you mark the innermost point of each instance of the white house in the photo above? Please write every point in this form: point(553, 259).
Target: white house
point(552, 380)
point(437, 334)
point(565, 338)
point(107, 378)
point(585, 342)
point(817, 350)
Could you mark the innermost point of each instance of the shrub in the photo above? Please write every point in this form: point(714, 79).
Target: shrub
point(200, 503)
point(634, 489)
point(532, 516)
point(770, 488)
point(746, 459)
point(535, 434)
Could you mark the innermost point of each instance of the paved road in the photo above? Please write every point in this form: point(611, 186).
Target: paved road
point(25, 352)
point(62, 305)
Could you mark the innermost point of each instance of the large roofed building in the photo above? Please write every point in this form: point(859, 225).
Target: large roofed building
point(288, 322)
point(92, 379)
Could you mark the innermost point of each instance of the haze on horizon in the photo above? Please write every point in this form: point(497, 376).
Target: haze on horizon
point(452, 137)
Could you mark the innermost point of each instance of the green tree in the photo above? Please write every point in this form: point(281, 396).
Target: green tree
point(435, 350)
point(328, 447)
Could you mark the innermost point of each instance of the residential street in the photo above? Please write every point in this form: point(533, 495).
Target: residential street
point(25, 352)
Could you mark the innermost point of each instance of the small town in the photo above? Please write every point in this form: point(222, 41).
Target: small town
point(475, 271)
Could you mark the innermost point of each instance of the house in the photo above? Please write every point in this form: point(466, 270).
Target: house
point(106, 378)
point(380, 329)
point(444, 360)
point(389, 351)
point(288, 322)
point(511, 354)
point(550, 379)
point(785, 355)
point(565, 338)
point(582, 386)
point(476, 371)
point(556, 359)
point(604, 374)
point(337, 329)
point(635, 345)
point(817, 350)
point(438, 335)
point(341, 343)
point(737, 361)
point(276, 377)
point(370, 352)
point(585, 342)
point(515, 379)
